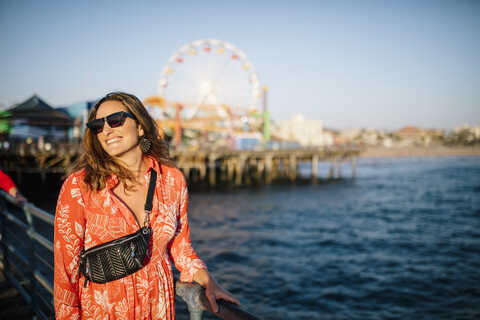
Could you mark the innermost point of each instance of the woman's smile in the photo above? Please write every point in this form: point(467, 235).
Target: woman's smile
point(113, 140)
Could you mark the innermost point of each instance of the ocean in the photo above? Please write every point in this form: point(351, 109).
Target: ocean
point(401, 240)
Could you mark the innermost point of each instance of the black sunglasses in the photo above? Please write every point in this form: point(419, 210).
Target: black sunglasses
point(114, 120)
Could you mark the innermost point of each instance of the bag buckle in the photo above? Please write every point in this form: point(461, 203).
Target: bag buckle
point(146, 223)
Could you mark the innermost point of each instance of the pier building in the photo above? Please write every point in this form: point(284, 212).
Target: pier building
point(34, 121)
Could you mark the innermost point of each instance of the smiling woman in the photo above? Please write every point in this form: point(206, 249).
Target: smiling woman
point(102, 200)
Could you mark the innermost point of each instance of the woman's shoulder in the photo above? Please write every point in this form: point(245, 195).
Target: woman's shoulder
point(76, 177)
point(73, 185)
point(173, 175)
point(172, 171)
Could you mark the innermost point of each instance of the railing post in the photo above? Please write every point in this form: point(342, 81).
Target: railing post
point(189, 292)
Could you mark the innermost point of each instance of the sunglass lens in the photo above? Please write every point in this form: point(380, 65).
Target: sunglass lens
point(115, 120)
point(96, 125)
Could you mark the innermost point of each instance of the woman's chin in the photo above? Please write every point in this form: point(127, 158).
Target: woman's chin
point(121, 152)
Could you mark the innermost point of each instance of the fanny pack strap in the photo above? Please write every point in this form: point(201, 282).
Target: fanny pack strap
point(149, 202)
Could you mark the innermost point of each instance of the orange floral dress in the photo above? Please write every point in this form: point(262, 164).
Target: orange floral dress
point(86, 218)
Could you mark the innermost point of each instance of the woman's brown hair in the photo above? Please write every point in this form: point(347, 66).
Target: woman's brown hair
point(98, 164)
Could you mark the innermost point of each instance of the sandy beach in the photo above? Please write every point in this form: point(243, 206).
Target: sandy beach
point(372, 152)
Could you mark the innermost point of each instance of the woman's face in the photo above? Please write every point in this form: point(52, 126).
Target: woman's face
point(121, 141)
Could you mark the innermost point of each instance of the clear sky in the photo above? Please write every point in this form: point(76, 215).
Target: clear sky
point(351, 64)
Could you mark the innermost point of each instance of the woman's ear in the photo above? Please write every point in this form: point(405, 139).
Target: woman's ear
point(140, 131)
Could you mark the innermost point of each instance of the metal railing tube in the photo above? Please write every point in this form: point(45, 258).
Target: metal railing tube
point(15, 220)
point(43, 241)
point(194, 295)
point(12, 250)
point(227, 310)
point(43, 215)
point(44, 282)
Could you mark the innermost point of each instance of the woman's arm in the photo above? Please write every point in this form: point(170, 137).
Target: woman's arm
point(7, 184)
point(68, 241)
point(180, 247)
point(191, 267)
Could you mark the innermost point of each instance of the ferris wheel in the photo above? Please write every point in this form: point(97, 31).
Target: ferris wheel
point(209, 78)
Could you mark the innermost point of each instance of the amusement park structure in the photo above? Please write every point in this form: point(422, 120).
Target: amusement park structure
point(208, 95)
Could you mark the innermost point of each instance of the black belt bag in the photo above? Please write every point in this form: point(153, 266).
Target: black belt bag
point(120, 257)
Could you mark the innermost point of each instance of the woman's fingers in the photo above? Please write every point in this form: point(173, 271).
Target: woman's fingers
point(228, 297)
point(213, 302)
point(224, 295)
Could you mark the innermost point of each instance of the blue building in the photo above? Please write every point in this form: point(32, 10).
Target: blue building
point(78, 112)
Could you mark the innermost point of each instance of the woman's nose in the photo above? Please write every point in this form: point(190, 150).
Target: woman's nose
point(106, 128)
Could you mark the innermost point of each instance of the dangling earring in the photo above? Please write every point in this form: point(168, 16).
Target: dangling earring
point(145, 144)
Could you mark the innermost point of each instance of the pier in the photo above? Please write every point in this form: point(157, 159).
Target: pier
point(209, 167)
point(262, 166)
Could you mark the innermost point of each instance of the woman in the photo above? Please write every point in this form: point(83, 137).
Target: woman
point(103, 199)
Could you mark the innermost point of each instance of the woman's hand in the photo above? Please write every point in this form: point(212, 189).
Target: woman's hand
point(213, 290)
point(20, 199)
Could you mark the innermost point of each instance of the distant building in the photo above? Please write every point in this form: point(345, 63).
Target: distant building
point(417, 136)
point(366, 137)
point(248, 141)
point(307, 133)
point(471, 132)
point(35, 121)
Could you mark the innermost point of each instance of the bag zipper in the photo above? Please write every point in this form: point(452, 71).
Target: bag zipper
point(113, 243)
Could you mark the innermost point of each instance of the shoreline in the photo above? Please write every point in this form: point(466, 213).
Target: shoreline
point(381, 152)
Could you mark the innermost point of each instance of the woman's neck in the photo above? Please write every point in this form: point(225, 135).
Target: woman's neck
point(137, 166)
